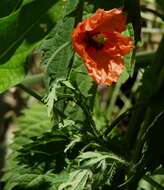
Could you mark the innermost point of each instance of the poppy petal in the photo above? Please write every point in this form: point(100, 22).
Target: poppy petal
point(99, 42)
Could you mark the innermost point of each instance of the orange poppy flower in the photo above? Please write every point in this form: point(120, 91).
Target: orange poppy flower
point(99, 42)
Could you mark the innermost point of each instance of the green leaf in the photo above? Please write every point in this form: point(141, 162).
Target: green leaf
point(79, 76)
point(77, 180)
point(13, 71)
point(46, 150)
point(111, 173)
point(128, 59)
point(57, 46)
point(7, 7)
point(94, 170)
point(57, 179)
point(18, 36)
point(29, 180)
point(15, 27)
point(30, 120)
point(71, 6)
point(30, 124)
point(52, 96)
point(96, 157)
point(61, 51)
point(58, 52)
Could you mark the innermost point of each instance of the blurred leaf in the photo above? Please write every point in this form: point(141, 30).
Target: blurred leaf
point(151, 75)
point(105, 4)
point(30, 124)
point(144, 58)
point(29, 180)
point(133, 10)
point(149, 157)
point(9, 6)
point(17, 34)
point(71, 6)
point(13, 71)
point(160, 3)
point(14, 28)
point(151, 89)
point(153, 183)
point(30, 120)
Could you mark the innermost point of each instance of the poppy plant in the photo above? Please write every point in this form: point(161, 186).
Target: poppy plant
point(99, 42)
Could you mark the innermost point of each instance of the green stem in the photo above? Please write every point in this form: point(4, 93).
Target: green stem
point(113, 99)
point(121, 116)
point(16, 6)
point(116, 121)
point(87, 112)
point(93, 91)
point(153, 182)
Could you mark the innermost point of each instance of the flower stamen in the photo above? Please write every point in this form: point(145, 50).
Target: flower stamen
point(96, 41)
point(99, 38)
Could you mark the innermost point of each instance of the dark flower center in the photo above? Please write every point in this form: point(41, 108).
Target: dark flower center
point(96, 41)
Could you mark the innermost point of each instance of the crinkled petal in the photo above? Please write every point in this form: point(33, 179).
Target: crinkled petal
point(118, 44)
point(103, 69)
point(104, 62)
point(101, 20)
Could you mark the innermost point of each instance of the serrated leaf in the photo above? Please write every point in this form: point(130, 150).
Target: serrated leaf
point(111, 173)
point(52, 96)
point(98, 156)
point(77, 180)
point(29, 181)
point(93, 161)
point(57, 179)
point(30, 124)
point(57, 46)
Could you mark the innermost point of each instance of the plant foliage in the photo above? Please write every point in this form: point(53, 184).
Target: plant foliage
point(80, 136)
